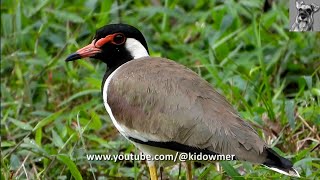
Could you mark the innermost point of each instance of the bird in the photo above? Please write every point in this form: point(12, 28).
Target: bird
point(162, 106)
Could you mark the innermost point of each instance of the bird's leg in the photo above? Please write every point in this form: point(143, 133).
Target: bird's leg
point(161, 171)
point(152, 170)
point(179, 170)
point(189, 170)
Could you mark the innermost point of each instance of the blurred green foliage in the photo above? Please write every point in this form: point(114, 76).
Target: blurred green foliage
point(52, 113)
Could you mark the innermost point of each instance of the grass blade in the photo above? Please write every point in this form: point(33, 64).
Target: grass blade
point(71, 166)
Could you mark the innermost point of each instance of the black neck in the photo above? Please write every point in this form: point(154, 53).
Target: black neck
point(120, 56)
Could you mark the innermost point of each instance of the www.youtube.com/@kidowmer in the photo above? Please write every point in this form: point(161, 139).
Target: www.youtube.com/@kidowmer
point(179, 156)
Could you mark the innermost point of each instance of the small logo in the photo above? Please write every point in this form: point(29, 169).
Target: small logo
point(304, 15)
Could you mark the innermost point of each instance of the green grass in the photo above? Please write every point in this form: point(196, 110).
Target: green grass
point(52, 113)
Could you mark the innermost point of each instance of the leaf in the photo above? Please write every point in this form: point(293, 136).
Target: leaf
point(289, 109)
point(226, 22)
point(6, 22)
point(7, 144)
point(18, 17)
point(21, 125)
point(101, 141)
point(31, 144)
point(205, 172)
point(104, 15)
point(82, 93)
point(93, 82)
point(227, 38)
point(91, 4)
point(14, 162)
point(67, 16)
point(38, 136)
point(96, 122)
point(302, 162)
point(48, 119)
point(57, 139)
point(71, 166)
point(34, 10)
point(308, 80)
point(87, 65)
point(315, 91)
point(230, 170)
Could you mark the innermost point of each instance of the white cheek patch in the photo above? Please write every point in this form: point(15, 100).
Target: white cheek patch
point(135, 48)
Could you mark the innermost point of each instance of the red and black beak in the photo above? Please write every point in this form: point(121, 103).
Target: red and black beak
point(94, 48)
point(87, 51)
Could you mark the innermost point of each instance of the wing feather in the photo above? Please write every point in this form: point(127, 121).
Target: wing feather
point(169, 102)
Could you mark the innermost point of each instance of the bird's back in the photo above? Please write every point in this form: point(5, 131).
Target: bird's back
point(180, 107)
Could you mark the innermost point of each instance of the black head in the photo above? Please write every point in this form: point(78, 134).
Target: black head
point(114, 44)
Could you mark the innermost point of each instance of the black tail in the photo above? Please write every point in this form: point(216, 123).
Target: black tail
point(279, 164)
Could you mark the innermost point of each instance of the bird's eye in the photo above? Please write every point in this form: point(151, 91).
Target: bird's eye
point(118, 39)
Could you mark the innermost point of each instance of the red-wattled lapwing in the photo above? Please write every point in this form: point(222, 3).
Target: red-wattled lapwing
point(164, 107)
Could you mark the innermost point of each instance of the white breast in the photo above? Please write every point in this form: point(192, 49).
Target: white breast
point(106, 105)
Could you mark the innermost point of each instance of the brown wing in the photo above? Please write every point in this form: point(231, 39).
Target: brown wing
point(165, 100)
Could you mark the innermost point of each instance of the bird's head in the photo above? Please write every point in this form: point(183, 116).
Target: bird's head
point(114, 44)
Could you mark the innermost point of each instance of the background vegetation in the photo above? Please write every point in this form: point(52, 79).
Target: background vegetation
point(52, 113)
